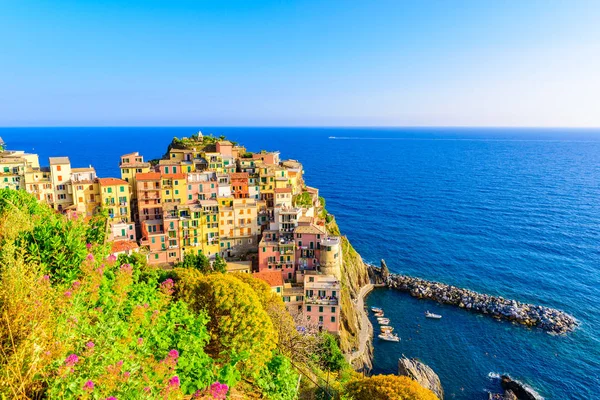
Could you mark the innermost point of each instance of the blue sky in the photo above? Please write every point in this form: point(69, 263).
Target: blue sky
point(300, 63)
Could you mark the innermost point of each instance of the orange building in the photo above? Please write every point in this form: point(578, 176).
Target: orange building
point(239, 185)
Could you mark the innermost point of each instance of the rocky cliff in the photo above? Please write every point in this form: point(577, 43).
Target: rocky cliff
point(354, 276)
point(421, 373)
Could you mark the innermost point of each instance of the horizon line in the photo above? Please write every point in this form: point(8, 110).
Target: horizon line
point(307, 126)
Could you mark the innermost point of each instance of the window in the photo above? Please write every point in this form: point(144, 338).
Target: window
point(59, 177)
point(278, 289)
point(153, 240)
point(156, 256)
point(121, 189)
point(58, 167)
point(167, 168)
point(320, 309)
point(308, 308)
point(176, 191)
point(320, 318)
point(333, 310)
point(109, 190)
point(332, 319)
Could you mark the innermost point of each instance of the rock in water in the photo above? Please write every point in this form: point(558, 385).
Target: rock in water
point(421, 373)
point(521, 392)
point(385, 272)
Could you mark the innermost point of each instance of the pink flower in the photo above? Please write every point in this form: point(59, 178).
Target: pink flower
point(120, 363)
point(90, 345)
point(71, 360)
point(112, 258)
point(140, 341)
point(88, 246)
point(167, 286)
point(76, 284)
point(89, 385)
point(219, 390)
point(174, 382)
point(90, 257)
point(126, 268)
point(68, 293)
point(46, 278)
point(147, 389)
point(126, 374)
point(173, 353)
point(111, 398)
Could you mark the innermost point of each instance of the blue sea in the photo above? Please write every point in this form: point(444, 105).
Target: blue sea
point(510, 212)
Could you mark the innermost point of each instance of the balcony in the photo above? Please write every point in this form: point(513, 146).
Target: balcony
point(322, 301)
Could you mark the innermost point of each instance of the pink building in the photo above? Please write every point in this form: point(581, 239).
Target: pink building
point(202, 186)
point(321, 301)
point(308, 246)
point(277, 254)
point(225, 147)
point(154, 237)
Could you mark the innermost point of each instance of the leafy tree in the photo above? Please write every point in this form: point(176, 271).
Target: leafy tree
point(278, 379)
point(195, 261)
point(219, 265)
point(387, 387)
point(329, 354)
point(239, 327)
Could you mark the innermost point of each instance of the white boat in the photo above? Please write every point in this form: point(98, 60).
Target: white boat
point(376, 309)
point(390, 337)
point(432, 315)
point(383, 321)
point(379, 314)
point(386, 329)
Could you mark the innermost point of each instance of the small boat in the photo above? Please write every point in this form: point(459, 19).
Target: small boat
point(376, 309)
point(432, 315)
point(383, 321)
point(389, 337)
point(379, 314)
point(386, 329)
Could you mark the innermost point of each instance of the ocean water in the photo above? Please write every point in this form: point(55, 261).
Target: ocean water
point(511, 212)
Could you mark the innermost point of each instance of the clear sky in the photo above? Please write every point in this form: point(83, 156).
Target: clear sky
point(278, 63)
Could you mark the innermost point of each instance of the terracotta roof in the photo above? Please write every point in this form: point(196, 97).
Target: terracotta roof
point(112, 181)
point(175, 176)
point(118, 247)
point(283, 190)
point(225, 143)
point(273, 278)
point(88, 169)
point(239, 175)
point(147, 176)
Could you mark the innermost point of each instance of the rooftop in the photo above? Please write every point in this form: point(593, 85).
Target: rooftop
point(235, 266)
point(59, 160)
point(148, 176)
point(273, 278)
point(111, 181)
point(310, 229)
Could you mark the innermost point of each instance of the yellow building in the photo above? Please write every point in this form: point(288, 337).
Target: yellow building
point(174, 188)
point(60, 170)
point(115, 197)
point(86, 191)
point(12, 172)
point(209, 223)
point(38, 182)
point(132, 164)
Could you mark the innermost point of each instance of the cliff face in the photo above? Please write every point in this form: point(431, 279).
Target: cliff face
point(421, 373)
point(354, 276)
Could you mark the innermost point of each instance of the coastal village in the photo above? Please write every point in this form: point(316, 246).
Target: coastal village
point(205, 196)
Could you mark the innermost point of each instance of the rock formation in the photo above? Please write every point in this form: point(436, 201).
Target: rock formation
point(514, 389)
point(421, 373)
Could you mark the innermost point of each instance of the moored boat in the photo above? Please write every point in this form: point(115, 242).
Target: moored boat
point(432, 315)
point(379, 314)
point(383, 321)
point(376, 309)
point(386, 329)
point(389, 337)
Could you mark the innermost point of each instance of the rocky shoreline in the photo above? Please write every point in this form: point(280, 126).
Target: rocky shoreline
point(548, 319)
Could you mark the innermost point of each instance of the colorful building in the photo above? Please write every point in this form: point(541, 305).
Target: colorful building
point(115, 198)
point(321, 301)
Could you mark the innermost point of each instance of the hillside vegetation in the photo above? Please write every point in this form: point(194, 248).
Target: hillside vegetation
point(78, 323)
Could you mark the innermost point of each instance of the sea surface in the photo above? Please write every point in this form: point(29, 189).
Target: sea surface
point(510, 212)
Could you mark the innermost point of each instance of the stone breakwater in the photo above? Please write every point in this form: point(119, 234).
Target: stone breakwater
point(549, 319)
